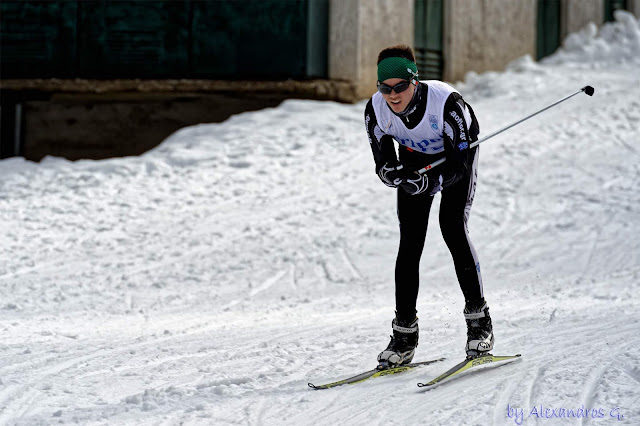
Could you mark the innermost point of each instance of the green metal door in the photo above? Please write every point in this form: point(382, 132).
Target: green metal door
point(132, 38)
point(238, 39)
point(428, 38)
point(548, 27)
point(37, 38)
point(611, 6)
point(212, 39)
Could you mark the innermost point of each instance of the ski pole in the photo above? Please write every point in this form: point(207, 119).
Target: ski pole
point(586, 89)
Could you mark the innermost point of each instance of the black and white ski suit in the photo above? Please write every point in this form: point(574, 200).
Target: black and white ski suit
point(438, 123)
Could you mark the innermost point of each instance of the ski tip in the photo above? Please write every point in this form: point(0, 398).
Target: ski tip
point(320, 387)
point(430, 385)
point(588, 90)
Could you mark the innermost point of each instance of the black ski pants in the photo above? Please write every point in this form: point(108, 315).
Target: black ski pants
point(413, 215)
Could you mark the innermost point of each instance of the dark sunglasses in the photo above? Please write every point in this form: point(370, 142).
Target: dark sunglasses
point(385, 89)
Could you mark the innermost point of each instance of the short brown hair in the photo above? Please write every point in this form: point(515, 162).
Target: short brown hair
point(397, 51)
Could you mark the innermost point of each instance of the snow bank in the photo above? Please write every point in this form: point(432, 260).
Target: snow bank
point(614, 43)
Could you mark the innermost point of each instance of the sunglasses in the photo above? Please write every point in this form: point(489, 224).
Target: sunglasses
point(385, 89)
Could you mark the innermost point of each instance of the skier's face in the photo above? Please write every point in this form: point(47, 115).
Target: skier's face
point(398, 101)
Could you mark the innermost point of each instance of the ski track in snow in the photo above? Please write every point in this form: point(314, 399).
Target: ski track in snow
point(209, 280)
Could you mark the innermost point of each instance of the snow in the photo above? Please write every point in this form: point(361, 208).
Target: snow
point(209, 280)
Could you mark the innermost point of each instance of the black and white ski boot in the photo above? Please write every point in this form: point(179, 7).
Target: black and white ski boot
point(402, 346)
point(479, 328)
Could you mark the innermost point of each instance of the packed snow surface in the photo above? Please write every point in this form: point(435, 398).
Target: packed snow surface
point(209, 280)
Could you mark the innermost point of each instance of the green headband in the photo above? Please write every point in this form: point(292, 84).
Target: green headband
point(397, 68)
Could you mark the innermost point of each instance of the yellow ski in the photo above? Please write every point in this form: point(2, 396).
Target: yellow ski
point(376, 372)
point(467, 364)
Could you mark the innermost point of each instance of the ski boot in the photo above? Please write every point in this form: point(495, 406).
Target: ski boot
point(479, 328)
point(402, 346)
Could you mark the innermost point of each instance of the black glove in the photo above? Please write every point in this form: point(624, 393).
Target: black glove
point(414, 183)
point(391, 174)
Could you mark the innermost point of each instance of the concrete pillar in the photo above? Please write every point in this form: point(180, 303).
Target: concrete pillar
point(576, 14)
point(485, 35)
point(358, 31)
point(634, 7)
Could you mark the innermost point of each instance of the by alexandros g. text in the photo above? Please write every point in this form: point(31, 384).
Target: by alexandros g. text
point(542, 412)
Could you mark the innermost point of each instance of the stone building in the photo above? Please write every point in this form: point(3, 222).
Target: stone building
point(96, 78)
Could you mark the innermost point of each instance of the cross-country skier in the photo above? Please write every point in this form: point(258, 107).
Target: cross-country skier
point(429, 120)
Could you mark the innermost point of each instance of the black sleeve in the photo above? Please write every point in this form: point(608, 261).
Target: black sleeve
point(458, 134)
point(381, 144)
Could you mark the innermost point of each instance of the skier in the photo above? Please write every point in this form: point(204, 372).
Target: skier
point(429, 120)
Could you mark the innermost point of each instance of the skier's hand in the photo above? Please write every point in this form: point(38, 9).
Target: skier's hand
point(415, 183)
point(437, 186)
point(391, 174)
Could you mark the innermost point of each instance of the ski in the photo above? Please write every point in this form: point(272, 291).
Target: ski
point(376, 372)
point(470, 363)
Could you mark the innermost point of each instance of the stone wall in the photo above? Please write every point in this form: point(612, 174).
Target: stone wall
point(358, 31)
point(576, 14)
point(485, 35)
point(634, 7)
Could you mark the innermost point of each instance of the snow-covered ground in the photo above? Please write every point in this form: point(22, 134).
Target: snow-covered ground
point(207, 281)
